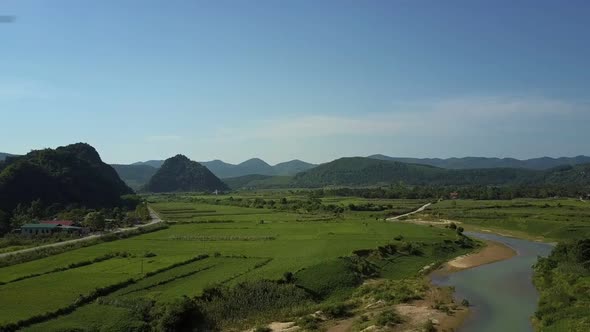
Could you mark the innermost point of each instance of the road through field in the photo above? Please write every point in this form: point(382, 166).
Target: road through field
point(154, 220)
point(422, 208)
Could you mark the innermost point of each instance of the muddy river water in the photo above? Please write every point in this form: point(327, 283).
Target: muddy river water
point(501, 294)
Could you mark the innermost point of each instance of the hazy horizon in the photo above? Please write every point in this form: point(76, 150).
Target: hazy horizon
point(306, 80)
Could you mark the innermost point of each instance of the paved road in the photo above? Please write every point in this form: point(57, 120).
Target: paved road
point(422, 208)
point(154, 220)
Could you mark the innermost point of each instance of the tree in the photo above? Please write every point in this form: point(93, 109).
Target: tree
point(288, 277)
point(95, 221)
point(36, 210)
point(180, 315)
point(4, 222)
point(142, 212)
point(20, 216)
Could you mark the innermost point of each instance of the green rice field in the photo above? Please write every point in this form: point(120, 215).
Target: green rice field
point(241, 244)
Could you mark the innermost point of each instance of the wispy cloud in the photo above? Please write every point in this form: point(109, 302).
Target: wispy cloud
point(465, 116)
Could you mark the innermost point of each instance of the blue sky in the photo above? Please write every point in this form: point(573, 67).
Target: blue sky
point(313, 80)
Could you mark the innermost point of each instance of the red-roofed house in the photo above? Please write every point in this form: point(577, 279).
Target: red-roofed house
point(58, 222)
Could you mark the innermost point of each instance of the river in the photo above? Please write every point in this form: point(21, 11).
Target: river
point(501, 294)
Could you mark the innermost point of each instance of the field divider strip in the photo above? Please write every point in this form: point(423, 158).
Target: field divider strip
point(167, 281)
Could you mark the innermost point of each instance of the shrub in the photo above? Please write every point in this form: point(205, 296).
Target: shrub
point(180, 315)
point(309, 323)
point(429, 326)
point(388, 318)
point(337, 310)
point(255, 299)
point(263, 329)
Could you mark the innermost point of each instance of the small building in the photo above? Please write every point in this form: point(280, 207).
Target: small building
point(47, 229)
point(454, 195)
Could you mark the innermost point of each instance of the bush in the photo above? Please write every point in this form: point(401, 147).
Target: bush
point(149, 254)
point(251, 300)
point(337, 310)
point(309, 323)
point(263, 329)
point(429, 326)
point(180, 315)
point(388, 318)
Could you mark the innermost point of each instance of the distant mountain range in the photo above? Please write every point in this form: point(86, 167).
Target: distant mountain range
point(180, 174)
point(251, 166)
point(138, 174)
point(368, 172)
point(483, 162)
point(152, 163)
point(135, 176)
point(4, 155)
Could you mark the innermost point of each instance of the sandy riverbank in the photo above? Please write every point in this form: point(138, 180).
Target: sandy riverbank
point(492, 252)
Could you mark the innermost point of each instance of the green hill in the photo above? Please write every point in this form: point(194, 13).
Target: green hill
point(72, 174)
point(371, 172)
point(578, 175)
point(292, 167)
point(180, 174)
point(256, 181)
point(359, 171)
point(135, 176)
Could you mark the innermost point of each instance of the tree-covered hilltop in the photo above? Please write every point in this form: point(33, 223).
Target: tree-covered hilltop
point(180, 174)
point(136, 175)
point(358, 172)
point(68, 175)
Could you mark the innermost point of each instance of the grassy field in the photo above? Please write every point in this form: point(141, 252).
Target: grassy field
point(542, 219)
point(242, 244)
